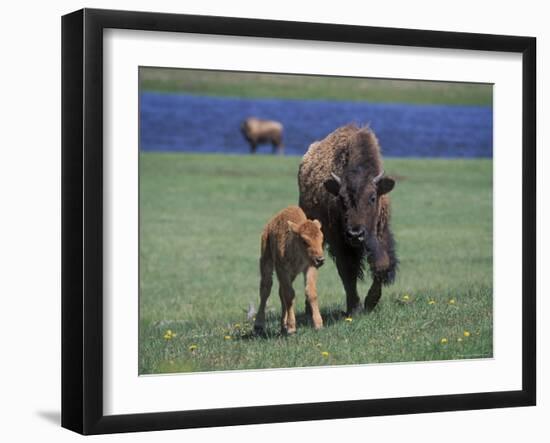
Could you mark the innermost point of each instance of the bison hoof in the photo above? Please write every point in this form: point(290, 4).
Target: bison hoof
point(354, 311)
point(317, 321)
point(259, 330)
point(370, 305)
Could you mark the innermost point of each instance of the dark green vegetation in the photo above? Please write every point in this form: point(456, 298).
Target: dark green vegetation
point(201, 220)
point(252, 85)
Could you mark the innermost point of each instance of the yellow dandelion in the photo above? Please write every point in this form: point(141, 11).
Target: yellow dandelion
point(406, 297)
point(431, 302)
point(466, 333)
point(227, 337)
point(444, 341)
point(452, 301)
point(193, 348)
point(237, 326)
point(349, 319)
point(325, 354)
point(169, 335)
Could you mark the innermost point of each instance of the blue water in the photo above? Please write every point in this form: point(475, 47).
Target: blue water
point(176, 122)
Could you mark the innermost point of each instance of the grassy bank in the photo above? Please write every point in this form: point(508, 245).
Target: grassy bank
point(253, 85)
point(201, 218)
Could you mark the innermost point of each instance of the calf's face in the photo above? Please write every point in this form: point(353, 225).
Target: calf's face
point(359, 200)
point(310, 237)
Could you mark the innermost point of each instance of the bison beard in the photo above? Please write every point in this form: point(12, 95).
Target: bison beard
point(380, 258)
point(342, 184)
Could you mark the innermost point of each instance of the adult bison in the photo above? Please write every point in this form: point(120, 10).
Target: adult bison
point(342, 184)
point(257, 131)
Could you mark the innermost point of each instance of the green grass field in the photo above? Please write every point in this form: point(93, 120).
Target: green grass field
point(253, 85)
point(200, 221)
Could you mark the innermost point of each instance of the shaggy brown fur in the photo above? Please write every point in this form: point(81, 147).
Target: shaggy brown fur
point(257, 131)
point(291, 244)
point(353, 207)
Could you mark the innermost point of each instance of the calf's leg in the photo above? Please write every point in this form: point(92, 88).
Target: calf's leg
point(311, 297)
point(286, 293)
point(266, 282)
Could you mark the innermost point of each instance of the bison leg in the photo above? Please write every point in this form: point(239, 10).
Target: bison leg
point(307, 306)
point(348, 271)
point(277, 147)
point(374, 294)
point(288, 319)
point(291, 317)
point(383, 267)
point(253, 146)
point(310, 276)
point(266, 281)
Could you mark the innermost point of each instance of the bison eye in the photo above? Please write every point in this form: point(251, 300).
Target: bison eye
point(372, 199)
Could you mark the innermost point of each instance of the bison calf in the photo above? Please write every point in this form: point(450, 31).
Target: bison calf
point(291, 244)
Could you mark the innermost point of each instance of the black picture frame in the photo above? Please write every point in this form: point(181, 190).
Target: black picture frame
point(82, 220)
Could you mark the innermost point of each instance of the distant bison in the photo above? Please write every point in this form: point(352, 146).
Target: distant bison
point(257, 131)
point(290, 245)
point(342, 184)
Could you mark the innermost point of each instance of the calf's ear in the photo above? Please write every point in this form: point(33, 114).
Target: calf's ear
point(293, 227)
point(385, 185)
point(332, 186)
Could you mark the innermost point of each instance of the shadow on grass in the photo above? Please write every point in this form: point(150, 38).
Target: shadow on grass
point(331, 315)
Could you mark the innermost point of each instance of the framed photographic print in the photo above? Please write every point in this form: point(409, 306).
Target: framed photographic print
point(269, 221)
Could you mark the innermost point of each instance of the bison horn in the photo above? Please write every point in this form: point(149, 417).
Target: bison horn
point(378, 177)
point(336, 178)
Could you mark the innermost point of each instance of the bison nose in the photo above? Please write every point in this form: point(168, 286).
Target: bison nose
point(356, 233)
point(319, 261)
